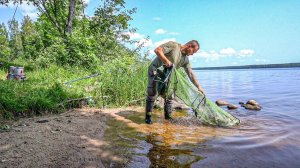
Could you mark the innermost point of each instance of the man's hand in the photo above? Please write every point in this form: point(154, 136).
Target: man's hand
point(201, 90)
point(159, 52)
point(169, 64)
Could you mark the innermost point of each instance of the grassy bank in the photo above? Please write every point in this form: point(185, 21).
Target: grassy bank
point(120, 82)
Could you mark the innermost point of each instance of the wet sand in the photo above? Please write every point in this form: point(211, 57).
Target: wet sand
point(70, 139)
point(119, 138)
point(95, 138)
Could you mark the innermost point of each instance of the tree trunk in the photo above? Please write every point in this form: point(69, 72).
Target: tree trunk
point(71, 15)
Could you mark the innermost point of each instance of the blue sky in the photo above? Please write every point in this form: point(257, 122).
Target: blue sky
point(230, 32)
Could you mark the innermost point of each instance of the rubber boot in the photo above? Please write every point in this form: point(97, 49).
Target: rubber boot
point(168, 109)
point(149, 109)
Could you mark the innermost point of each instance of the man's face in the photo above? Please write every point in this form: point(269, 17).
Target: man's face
point(192, 49)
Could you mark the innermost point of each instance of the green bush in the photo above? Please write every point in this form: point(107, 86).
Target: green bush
point(122, 81)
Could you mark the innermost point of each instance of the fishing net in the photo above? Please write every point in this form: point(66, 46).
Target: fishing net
point(175, 83)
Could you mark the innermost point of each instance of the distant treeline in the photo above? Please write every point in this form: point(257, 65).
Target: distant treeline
point(286, 65)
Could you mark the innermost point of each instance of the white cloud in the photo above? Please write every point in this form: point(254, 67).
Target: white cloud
point(246, 52)
point(157, 18)
point(9, 5)
point(160, 31)
point(158, 43)
point(28, 8)
point(209, 56)
point(212, 55)
point(151, 46)
point(25, 8)
point(140, 38)
point(145, 43)
point(32, 15)
point(174, 33)
point(135, 36)
point(151, 52)
point(86, 1)
point(227, 51)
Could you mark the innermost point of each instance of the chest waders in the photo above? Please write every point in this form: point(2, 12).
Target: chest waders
point(158, 85)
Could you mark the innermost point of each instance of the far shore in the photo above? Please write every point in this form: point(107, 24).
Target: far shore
point(285, 65)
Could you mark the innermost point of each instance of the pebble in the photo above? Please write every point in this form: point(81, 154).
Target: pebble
point(42, 121)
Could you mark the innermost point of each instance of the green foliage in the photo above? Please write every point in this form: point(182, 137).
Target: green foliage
point(60, 46)
point(122, 82)
point(111, 19)
point(15, 41)
point(30, 39)
point(56, 53)
point(4, 42)
point(82, 50)
point(41, 93)
point(93, 41)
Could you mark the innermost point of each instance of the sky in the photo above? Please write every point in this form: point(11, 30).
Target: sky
point(230, 32)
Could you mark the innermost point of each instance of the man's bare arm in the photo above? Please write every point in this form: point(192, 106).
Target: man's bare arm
point(159, 52)
point(192, 77)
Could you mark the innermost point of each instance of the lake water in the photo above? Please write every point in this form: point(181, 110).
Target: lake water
point(266, 138)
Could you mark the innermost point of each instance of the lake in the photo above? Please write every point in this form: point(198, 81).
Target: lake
point(266, 138)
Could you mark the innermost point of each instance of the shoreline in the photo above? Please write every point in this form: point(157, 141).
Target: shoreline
point(74, 138)
point(263, 66)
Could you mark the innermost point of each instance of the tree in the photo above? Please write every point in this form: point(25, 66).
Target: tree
point(4, 42)
point(67, 36)
point(30, 39)
point(15, 41)
point(60, 13)
point(108, 26)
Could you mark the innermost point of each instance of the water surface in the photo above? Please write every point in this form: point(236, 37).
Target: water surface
point(266, 138)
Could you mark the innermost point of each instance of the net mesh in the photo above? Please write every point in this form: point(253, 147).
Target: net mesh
point(173, 82)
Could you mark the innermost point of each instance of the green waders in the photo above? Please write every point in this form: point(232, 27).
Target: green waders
point(158, 81)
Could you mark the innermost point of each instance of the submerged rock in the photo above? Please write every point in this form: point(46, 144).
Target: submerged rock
point(231, 107)
point(222, 103)
point(177, 104)
point(252, 102)
point(159, 103)
point(251, 105)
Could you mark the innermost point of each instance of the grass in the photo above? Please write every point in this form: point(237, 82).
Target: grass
point(44, 90)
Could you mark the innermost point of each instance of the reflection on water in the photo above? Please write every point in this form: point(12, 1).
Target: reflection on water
point(266, 138)
point(164, 155)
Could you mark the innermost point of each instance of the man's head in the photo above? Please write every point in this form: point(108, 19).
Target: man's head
point(191, 47)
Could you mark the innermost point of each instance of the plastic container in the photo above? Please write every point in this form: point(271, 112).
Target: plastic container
point(16, 73)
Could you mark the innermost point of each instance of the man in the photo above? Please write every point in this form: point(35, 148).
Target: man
point(170, 54)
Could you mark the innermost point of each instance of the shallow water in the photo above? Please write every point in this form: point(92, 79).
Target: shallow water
point(266, 138)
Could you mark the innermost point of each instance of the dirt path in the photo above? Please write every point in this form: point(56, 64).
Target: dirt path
point(70, 139)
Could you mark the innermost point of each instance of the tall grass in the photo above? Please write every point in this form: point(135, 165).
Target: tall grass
point(44, 90)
